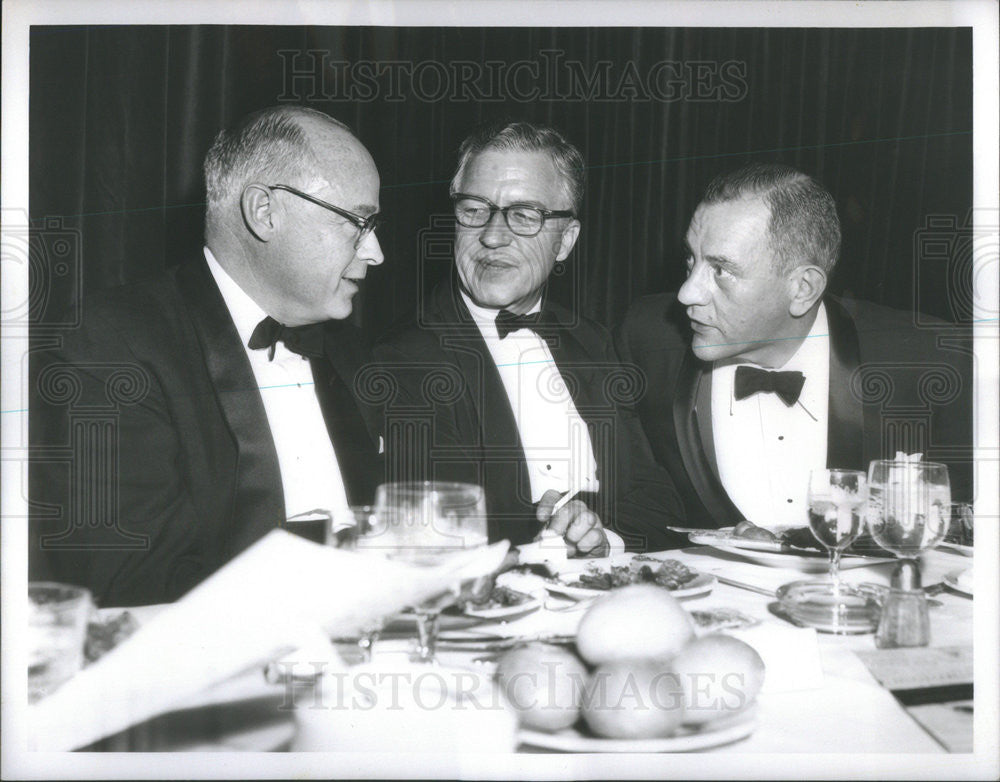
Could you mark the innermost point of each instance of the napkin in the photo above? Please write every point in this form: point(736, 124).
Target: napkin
point(260, 606)
point(790, 655)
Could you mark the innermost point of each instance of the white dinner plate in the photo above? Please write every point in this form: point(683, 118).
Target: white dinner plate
point(715, 734)
point(771, 554)
point(960, 581)
point(504, 613)
point(725, 537)
point(702, 584)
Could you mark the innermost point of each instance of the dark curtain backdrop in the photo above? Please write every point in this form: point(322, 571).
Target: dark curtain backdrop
point(121, 117)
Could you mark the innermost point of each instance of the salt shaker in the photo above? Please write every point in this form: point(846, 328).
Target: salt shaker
point(904, 619)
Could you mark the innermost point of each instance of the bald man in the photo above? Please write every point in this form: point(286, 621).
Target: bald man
point(225, 386)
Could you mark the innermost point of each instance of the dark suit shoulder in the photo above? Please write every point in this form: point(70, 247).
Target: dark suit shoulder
point(892, 333)
point(152, 297)
point(145, 318)
point(653, 324)
point(408, 338)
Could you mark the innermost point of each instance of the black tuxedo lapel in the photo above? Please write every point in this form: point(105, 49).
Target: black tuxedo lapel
point(719, 508)
point(505, 473)
point(356, 452)
point(846, 420)
point(258, 504)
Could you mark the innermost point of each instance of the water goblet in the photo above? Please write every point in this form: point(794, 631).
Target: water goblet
point(836, 502)
point(423, 522)
point(836, 514)
point(354, 530)
point(909, 505)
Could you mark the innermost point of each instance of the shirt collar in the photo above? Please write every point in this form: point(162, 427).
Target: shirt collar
point(245, 312)
point(814, 348)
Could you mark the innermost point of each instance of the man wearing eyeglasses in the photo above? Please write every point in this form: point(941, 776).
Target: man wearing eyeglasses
point(238, 411)
point(498, 385)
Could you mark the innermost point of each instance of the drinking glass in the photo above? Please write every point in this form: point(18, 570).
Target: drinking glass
point(909, 505)
point(836, 500)
point(356, 531)
point(422, 522)
point(57, 631)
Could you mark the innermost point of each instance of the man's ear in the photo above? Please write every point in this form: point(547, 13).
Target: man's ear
point(567, 239)
point(257, 206)
point(808, 284)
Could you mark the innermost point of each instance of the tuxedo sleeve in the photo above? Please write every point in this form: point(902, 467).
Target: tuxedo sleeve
point(644, 497)
point(109, 506)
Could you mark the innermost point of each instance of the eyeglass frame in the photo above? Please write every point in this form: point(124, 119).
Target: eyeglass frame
point(365, 225)
point(505, 210)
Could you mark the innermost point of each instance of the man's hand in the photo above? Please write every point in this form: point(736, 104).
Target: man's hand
point(579, 526)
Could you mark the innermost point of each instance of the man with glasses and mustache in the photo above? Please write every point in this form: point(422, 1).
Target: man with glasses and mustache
point(242, 369)
point(498, 385)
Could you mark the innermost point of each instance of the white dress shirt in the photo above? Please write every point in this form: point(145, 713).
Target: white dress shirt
point(555, 438)
point(765, 449)
point(310, 475)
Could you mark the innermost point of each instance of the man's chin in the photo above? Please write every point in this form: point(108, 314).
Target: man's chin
point(704, 350)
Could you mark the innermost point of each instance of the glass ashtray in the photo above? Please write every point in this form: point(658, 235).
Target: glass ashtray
point(842, 609)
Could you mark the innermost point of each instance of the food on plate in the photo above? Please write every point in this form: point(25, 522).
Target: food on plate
point(103, 636)
point(641, 569)
point(500, 597)
point(636, 621)
point(715, 619)
point(719, 675)
point(544, 684)
point(803, 538)
point(633, 699)
point(648, 674)
point(750, 531)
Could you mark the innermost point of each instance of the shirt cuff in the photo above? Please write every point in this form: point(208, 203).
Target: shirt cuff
point(615, 541)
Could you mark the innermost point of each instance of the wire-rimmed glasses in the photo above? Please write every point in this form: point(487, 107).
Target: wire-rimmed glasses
point(365, 225)
point(522, 219)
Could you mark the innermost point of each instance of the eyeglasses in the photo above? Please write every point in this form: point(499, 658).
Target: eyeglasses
point(522, 219)
point(365, 225)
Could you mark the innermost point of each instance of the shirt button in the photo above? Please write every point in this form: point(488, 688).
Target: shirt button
point(781, 437)
point(548, 466)
point(788, 500)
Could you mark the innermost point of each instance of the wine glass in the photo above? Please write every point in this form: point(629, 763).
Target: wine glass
point(909, 505)
point(355, 531)
point(421, 523)
point(836, 499)
point(836, 513)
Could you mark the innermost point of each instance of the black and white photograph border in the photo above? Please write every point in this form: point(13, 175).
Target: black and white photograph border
point(308, 70)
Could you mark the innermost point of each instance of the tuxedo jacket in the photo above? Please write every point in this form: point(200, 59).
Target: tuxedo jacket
point(894, 386)
point(448, 417)
point(153, 462)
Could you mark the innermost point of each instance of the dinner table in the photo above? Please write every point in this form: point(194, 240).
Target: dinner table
point(824, 692)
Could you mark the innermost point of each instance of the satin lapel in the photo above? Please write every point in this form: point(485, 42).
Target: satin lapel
point(846, 421)
point(357, 453)
point(258, 503)
point(703, 414)
point(720, 509)
point(505, 470)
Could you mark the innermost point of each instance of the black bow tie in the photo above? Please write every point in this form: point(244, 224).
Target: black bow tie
point(507, 322)
point(305, 340)
point(750, 380)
